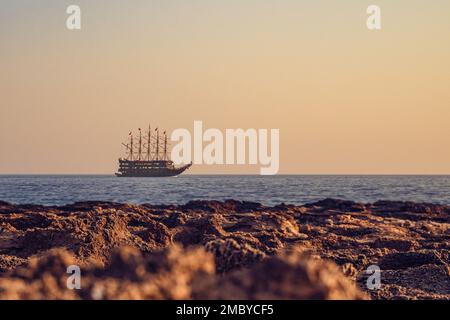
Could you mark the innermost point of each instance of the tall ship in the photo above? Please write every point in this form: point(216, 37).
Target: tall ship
point(147, 156)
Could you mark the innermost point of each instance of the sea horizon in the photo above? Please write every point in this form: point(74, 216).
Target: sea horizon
point(61, 189)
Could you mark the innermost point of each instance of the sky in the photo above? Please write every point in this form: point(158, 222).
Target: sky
point(347, 100)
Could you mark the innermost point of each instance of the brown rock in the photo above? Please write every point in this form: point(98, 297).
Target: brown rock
point(405, 239)
point(287, 276)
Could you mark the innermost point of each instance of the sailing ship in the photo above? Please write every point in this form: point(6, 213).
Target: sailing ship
point(147, 156)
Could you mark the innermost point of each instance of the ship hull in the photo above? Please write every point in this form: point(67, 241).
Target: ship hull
point(153, 172)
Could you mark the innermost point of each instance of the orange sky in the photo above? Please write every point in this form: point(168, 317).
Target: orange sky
point(346, 100)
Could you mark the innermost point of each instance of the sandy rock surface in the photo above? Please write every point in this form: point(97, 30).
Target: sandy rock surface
point(225, 250)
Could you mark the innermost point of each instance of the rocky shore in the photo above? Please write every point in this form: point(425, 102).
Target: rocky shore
point(225, 250)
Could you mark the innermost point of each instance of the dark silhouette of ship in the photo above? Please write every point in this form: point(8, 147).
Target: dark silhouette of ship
point(148, 157)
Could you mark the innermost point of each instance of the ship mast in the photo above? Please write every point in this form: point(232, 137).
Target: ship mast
point(140, 145)
point(148, 143)
point(165, 146)
point(131, 146)
point(149, 147)
point(157, 144)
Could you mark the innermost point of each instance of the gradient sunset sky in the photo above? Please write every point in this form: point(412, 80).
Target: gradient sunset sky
point(346, 100)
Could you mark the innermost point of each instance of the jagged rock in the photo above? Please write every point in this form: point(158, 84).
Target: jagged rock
point(166, 275)
point(155, 234)
point(349, 270)
point(423, 282)
point(342, 205)
point(397, 244)
point(10, 262)
point(229, 254)
point(405, 239)
point(218, 206)
point(400, 206)
point(404, 260)
point(290, 275)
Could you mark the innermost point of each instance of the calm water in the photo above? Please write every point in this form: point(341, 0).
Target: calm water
point(270, 190)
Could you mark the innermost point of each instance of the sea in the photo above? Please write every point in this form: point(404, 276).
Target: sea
point(268, 190)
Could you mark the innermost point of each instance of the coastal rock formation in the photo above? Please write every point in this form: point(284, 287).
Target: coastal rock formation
point(177, 273)
point(289, 275)
point(224, 250)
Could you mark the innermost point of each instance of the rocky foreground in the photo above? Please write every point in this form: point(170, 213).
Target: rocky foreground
point(225, 250)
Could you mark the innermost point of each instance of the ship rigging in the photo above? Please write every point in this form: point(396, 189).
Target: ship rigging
point(147, 156)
